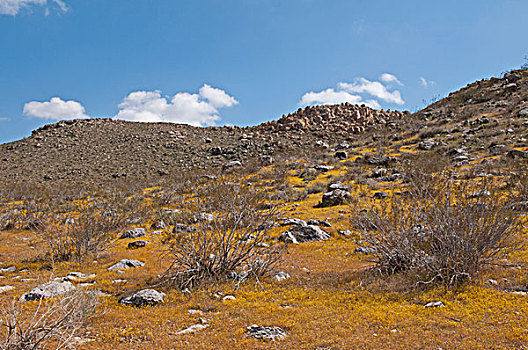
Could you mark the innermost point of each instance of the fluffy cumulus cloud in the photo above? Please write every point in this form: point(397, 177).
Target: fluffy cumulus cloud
point(13, 7)
point(195, 109)
point(54, 109)
point(361, 91)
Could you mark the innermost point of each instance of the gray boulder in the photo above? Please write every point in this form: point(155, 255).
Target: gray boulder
point(48, 290)
point(301, 234)
point(134, 233)
point(335, 197)
point(125, 264)
point(145, 297)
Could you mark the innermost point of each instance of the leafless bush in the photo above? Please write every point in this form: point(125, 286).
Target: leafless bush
point(48, 323)
point(229, 237)
point(89, 229)
point(442, 231)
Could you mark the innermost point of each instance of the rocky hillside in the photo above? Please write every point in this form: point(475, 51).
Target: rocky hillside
point(99, 150)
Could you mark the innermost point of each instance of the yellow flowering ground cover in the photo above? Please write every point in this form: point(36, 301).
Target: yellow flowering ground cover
point(333, 300)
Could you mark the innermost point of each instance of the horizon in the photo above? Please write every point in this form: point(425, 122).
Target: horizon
point(206, 63)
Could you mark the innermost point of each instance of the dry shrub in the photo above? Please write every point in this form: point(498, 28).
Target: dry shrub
point(441, 231)
point(90, 229)
point(229, 240)
point(50, 323)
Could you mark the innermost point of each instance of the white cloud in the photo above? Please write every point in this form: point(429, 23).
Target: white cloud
point(355, 93)
point(13, 7)
point(195, 109)
point(373, 88)
point(328, 96)
point(426, 83)
point(390, 78)
point(216, 97)
point(54, 109)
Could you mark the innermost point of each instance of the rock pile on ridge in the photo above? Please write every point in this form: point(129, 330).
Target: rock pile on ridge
point(344, 118)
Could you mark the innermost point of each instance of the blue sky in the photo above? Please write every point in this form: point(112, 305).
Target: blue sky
point(242, 61)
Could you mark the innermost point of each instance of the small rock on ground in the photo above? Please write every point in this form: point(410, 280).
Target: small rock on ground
point(193, 328)
point(435, 304)
point(134, 233)
point(125, 264)
point(266, 333)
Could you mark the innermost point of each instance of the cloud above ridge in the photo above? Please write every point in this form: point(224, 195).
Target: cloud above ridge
point(360, 91)
point(199, 109)
point(54, 109)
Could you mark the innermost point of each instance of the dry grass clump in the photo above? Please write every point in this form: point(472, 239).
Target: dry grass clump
point(443, 231)
point(227, 237)
point(44, 324)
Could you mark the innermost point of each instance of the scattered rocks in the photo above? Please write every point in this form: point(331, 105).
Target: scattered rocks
point(133, 233)
point(145, 297)
point(48, 290)
point(266, 333)
point(126, 264)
